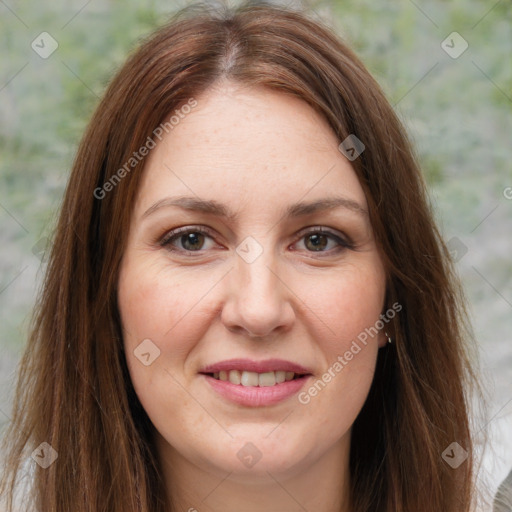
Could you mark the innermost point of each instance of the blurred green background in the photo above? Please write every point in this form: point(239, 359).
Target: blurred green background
point(457, 111)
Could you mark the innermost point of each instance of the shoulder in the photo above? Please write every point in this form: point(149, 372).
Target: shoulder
point(503, 498)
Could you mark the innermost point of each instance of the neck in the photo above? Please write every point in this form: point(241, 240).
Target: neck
point(321, 485)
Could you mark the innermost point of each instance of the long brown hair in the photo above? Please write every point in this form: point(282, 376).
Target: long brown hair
point(74, 390)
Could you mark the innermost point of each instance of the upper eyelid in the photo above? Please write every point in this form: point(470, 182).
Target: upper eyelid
point(173, 233)
point(319, 228)
point(190, 228)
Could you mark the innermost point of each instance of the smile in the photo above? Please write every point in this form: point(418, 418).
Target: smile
point(255, 383)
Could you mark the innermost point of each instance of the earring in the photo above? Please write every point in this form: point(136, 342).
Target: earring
point(390, 341)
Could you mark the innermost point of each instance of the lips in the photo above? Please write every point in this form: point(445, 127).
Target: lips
point(256, 383)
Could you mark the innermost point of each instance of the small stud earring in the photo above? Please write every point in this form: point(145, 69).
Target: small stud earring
point(390, 341)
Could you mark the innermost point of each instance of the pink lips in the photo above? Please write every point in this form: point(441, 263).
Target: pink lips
point(255, 396)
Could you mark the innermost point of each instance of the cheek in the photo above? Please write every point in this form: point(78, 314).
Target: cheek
point(171, 308)
point(347, 305)
point(154, 306)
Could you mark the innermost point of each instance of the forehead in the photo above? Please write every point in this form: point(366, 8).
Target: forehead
point(250, 147)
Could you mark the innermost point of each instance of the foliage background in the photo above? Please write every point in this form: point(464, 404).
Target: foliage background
point(458, 112)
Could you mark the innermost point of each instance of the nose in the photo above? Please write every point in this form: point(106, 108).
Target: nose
point(260, 300)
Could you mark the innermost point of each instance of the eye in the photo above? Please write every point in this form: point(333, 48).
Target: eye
point(321, 240)
point(198, 238)
point(188, 239)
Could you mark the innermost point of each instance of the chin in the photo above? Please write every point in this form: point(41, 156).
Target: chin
point(255, 456)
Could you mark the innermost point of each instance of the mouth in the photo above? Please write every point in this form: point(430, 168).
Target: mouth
point(256, 383)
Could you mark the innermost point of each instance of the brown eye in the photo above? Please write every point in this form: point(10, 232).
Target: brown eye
point(192, 241)
point(320, 240)
point(188, 239)
point(317, 242)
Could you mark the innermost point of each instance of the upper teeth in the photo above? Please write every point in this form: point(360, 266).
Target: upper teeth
point(254, 379)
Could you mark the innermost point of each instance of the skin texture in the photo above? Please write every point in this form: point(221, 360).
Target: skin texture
point(256, 151)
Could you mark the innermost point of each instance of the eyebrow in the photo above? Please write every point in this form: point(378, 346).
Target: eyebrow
point(213, 207)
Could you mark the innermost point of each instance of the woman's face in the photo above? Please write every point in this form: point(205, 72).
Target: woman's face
point(251, 255)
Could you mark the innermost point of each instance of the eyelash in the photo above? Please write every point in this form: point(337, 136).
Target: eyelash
point(173, 235)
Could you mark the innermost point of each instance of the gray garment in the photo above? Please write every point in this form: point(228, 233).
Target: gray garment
point(503, 498)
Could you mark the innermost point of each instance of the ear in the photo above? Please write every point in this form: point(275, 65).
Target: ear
point(382, 338)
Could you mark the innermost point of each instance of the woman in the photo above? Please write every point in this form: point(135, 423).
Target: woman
point(248, 304)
